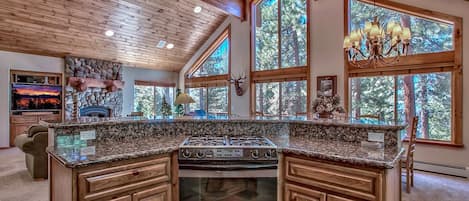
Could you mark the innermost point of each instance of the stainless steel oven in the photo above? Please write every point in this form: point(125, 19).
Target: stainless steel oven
point(228, 173)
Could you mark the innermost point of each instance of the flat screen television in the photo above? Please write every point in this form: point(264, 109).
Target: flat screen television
point(27, 97)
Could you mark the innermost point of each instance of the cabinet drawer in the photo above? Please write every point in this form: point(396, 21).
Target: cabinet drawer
point(354, 182)
point(24, 119)
point(337, 198)
point(107, 182)
point(49, 118)
point(159, 193)
point(298, 193)
point(124, 198)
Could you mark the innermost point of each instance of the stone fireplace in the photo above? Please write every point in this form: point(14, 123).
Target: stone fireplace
point(77, 101)
point(95, 111)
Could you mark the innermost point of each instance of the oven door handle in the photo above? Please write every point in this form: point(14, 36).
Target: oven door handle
point(252, 173)
point(227, 167)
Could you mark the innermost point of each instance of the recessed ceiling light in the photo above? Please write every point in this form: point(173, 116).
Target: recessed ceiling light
point(170, 46)
point(109, 33)
point(197, 9)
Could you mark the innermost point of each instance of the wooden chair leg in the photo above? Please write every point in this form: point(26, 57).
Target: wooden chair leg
point(407, 175)
point(412, 177)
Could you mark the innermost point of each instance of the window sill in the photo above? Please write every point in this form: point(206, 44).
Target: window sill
point(437, 143)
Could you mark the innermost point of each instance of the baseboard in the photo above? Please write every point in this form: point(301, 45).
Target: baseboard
point(442, 169)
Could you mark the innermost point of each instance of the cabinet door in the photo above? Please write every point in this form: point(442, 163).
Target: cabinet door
point(159, 193)
point(124, 198)
point(337, 198)
point(297, 193)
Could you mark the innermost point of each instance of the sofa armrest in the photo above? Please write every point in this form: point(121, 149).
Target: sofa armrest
point(24, 143)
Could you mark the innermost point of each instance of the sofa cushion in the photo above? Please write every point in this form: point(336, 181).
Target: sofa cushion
point(36, 129)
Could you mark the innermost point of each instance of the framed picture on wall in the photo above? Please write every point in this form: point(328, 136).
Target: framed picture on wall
point(327, 85)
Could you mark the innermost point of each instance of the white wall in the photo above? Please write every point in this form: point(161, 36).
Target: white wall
point(327, 33)
point(239, 60)
point(130, 74)
point(19, 61)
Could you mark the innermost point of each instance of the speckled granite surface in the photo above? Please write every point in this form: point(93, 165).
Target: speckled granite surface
point(77, 156)
point(90, 121)
point(94, 152)
point(338, 151)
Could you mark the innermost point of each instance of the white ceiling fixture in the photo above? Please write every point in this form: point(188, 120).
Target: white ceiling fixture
point(161, 44)
point(197, 9)
point(109, 33)
point(170, 46)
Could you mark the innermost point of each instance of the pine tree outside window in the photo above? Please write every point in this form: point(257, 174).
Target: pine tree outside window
point(207, 81)
point(427, 83)
point(280, 72)
point(148, 98)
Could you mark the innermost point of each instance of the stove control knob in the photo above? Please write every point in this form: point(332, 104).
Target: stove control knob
point(200, 154)
point(255, 154)
point(186, 154)
point(268, 154)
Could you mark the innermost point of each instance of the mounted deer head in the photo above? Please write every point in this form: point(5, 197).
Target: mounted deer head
point(237, 81)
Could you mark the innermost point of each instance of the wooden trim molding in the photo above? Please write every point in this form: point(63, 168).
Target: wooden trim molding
point(297, 73)
point(449, 61)
point(154, 83)
point(226, 34)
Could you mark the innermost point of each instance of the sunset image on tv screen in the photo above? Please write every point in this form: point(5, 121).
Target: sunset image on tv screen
point(36, 97)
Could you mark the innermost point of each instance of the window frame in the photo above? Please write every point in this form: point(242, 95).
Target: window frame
point(211, 80)
point(155, 84)
point(298, 73)
point(447, 61)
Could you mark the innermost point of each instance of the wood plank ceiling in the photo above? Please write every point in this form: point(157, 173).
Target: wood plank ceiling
point(77, 27)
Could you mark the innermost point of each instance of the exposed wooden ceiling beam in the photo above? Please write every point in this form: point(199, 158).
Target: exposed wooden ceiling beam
point(233, 7)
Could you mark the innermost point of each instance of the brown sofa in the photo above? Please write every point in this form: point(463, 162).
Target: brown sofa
point(34, 144)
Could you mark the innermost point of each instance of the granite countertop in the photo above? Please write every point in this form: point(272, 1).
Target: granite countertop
point(91, 121)
point(76, 156)
point(338, 151)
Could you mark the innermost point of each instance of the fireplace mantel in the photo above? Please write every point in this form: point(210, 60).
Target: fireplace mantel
point(81, 84)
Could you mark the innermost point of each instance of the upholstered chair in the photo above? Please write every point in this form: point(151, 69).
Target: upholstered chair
point(34, 144)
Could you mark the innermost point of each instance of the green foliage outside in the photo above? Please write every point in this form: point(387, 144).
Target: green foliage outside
point(149, 99)
point(431, 92)
point(165, 108)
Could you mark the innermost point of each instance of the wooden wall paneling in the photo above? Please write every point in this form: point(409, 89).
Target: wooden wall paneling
point(59, 28)
point(233, 7)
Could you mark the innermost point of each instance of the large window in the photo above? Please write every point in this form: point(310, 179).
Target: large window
point(427, 83)
point(280, 73)
point(281, 98)
point(149, 99)
point(206, 81)
point(280, 34)
point(427, 35)
point(427, 96)
point(211, 100)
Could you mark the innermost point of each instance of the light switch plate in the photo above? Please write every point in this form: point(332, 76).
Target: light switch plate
point(375, 137)
point(88, 135)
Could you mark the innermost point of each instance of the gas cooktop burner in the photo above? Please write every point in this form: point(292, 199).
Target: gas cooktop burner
point(227, 148)
point(223, 141)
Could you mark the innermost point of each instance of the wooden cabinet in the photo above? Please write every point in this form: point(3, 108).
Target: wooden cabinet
point(19, 124)
point(145, 179)
point(307, 179)
point(123, 198)
point(160, 193)
point(297, 193)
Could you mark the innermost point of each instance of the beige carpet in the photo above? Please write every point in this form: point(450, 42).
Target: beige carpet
point(15, 182)
point(17, 185)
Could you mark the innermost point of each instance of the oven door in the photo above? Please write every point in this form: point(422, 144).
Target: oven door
point(228, 182)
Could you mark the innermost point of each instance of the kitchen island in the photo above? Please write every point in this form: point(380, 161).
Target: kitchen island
point(137, 159)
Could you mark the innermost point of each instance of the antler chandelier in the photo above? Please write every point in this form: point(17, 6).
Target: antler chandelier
point(375, 39)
